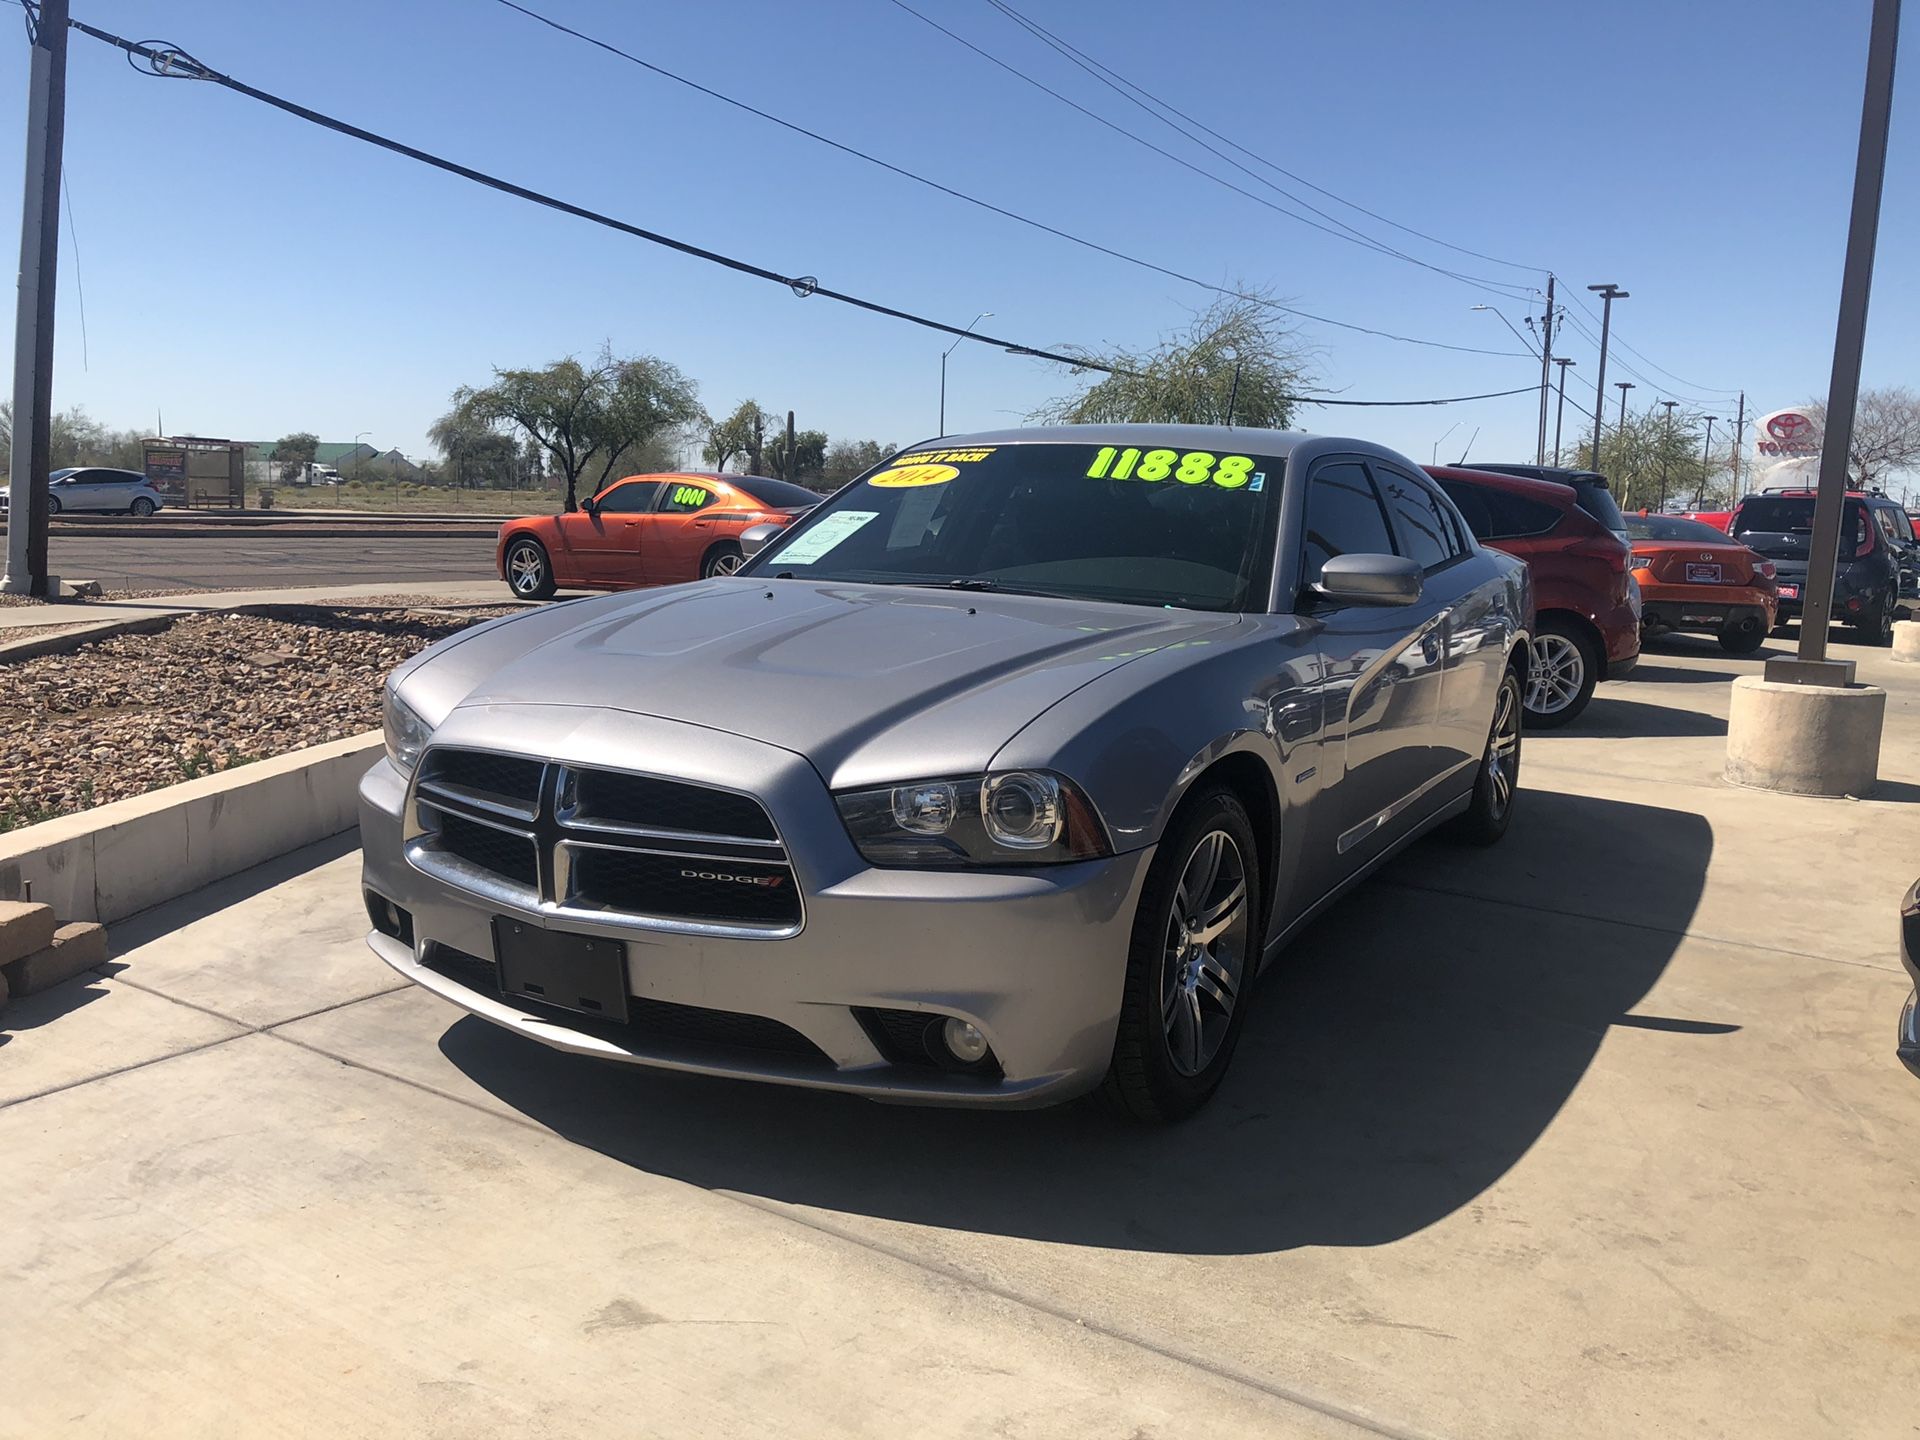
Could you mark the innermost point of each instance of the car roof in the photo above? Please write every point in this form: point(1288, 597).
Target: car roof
point(1550, 491)
point(1276, 443)
point(1558, 474)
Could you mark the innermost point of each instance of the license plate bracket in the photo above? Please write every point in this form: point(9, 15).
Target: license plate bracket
point(1703, 574)
point(581, 973)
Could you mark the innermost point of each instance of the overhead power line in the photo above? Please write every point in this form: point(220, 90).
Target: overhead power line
point(1614, 338)
point(171, 62)
point(1144, 96)
point(983, 204)
point(1344, 231)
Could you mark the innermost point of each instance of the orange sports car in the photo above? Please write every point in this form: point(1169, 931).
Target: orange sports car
point(645, 530)
point(1693, 577)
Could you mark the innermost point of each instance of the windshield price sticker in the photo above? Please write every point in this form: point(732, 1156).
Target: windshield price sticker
point(905, 477)
point(1194, 467)
point(823, 536)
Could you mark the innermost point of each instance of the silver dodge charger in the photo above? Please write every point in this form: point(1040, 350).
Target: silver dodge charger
point(995, 780)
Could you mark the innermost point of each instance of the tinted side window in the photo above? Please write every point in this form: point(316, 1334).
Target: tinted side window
point(681, 498)
point(1497, 515)
point(1344, 517)
point(630, 498)
point(1419, 519)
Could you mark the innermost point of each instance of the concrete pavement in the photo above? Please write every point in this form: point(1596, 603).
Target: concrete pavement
point(199, 602)
point(1597, 1133)
point(269, 558)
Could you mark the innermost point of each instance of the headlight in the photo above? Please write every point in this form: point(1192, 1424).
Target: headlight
point(407, 733)
point(1016, 817)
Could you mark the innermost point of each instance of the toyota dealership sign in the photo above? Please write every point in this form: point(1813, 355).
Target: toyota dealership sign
point(1787, 435)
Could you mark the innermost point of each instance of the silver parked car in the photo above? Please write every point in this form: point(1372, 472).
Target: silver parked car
point(995, 779)
point(96, 488)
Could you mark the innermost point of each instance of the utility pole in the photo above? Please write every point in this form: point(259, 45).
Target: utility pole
point(32, 458)
point(1666, 454)
point(792, 466)
point(1739, 434)
point(1608, 294)
point(1706, 462)
point(1546, 374)
point(1561, 416)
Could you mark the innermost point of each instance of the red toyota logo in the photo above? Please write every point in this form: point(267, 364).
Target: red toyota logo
point(1788, 427)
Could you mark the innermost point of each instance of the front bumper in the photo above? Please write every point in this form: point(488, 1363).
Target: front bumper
point(1036, 960)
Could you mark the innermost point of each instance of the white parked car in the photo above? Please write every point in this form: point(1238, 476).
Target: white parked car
point(96, 488)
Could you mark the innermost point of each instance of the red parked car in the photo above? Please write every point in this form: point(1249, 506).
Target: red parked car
point(1588, 606)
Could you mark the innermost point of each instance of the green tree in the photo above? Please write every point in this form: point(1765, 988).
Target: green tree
point(1189, 377)
point(744, 432)
point(1648, 454)
point(76, 438)
point(809, 455)
point(847, 458)
point(585, 417)
point(477, 455)
point(294, 453)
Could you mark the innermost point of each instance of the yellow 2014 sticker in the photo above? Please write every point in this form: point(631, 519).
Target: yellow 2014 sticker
point(1195, 467)
point(902, 477)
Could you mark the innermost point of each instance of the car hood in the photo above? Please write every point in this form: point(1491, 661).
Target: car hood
point(870, 683)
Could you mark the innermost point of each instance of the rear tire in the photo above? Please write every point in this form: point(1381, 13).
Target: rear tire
point(1497, 785)
point(141, 507)
point(1877, 629)
point(529, 571)
point(1743, 642)
point(722, 559)
point(1190, 965)
point(1566, 666)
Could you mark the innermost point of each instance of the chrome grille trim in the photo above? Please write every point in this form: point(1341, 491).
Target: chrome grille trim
point(554, 828)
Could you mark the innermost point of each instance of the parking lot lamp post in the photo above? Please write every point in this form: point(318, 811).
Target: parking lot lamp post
point(1706, 459)
point(1560, 414)
point(983, 315)
point(1666, 454)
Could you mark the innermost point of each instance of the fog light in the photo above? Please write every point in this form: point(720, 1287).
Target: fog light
point(968, 1045)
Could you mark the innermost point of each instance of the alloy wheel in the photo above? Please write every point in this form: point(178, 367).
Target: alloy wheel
point(1558, 672)
point(1503, 750)
point(725, 564)
point(526, 569)
point(1203, 967)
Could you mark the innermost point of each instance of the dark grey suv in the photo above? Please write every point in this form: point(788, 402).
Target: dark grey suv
point(1866, 580)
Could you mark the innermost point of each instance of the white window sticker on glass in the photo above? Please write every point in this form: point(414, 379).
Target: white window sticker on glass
point(809, 547)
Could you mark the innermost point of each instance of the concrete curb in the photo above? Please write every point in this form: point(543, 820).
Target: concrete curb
point(305, 530)
point(68, 641)
point(117, 860)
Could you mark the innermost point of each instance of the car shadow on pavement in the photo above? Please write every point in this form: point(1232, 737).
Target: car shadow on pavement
point(1406, 1051)
point(1610, 715)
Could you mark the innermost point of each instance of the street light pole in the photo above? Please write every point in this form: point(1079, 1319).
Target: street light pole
point(1560, 415)
point(983, 315)
point(1623, 386)
point(1706, 459)
point(1666, 454)
point(1608, 294)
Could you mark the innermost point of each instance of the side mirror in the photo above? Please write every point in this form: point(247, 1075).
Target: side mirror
point(754, 538)
point(1369, 580)
point(590, 506)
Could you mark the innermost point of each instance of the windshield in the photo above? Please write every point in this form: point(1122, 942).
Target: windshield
point(1174, 527)
point(780, 494)
point(1672, 527)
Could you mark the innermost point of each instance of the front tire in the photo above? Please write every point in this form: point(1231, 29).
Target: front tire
point(529, 572)
point(53, 505)
point(1566, 667)
point(1486, 818)
point(722, 559)
point(1191, 962)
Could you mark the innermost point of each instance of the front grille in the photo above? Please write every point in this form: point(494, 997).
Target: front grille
point(647, 803)
point(641, 883)
point(652, 1024)
point(511, 857)
point(623, 846)
point(508, 778)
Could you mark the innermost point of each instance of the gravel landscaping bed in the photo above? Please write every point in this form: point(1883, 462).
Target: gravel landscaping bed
point(131, 713)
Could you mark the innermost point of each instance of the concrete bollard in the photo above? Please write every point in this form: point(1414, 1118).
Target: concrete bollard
point(1906, 640)
point(1805, 739)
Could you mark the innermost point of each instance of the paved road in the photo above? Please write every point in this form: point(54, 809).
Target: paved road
point(188, 562)
point(1596, 1133)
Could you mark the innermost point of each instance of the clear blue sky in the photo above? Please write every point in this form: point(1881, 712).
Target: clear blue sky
point(248, 275)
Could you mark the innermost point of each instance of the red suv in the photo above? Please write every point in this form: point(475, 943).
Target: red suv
point(1589, 606)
